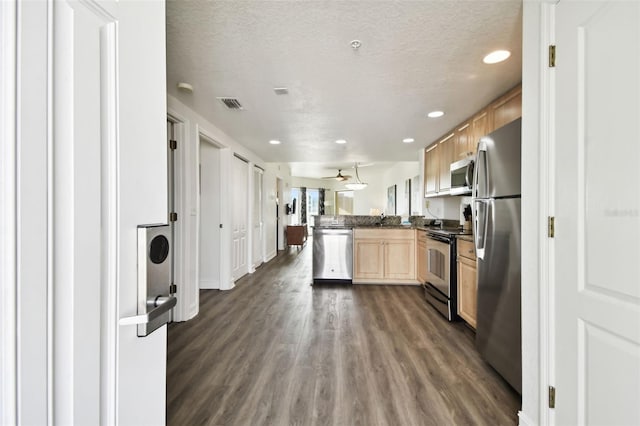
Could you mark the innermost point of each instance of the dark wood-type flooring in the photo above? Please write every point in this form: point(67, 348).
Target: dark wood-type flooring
point(277, 351)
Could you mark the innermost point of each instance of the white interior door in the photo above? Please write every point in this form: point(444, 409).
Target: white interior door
point(109, 174)
point(240, 184)
point(210, 221)
point(597, 199)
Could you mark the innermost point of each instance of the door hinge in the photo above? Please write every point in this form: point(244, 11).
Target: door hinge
point(552, 56)
point(173, 217)
point(551, 228)
point(173, 144)
point(173, 289)
point(552, 397)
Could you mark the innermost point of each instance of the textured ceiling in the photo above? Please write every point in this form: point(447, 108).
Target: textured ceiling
point(416, 56)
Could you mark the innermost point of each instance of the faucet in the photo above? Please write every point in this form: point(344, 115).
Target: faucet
point(381, 218)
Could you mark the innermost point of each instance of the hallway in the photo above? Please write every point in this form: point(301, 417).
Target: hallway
point(276, 350)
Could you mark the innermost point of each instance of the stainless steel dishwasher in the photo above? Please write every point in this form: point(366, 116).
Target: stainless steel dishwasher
point(332, 254)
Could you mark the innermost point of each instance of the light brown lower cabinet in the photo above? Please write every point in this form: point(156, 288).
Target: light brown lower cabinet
point(467, 283)
point(384, 256)
point(421, 257)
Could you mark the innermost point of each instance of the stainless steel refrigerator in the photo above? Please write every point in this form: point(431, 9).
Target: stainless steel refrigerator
point(496, 228)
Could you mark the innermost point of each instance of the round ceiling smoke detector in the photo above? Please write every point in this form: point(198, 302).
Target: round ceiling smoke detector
point(355, 44)
point(185, 87)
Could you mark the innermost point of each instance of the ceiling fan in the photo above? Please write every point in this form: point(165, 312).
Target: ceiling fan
point(339, 177)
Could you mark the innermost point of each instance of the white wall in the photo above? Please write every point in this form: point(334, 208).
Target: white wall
point(398, 175)
point(209, 274)
point(269, 182)
point(275, 172)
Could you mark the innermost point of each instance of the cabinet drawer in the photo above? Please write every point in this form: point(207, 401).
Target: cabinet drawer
point(384, 234)
point(466, 249)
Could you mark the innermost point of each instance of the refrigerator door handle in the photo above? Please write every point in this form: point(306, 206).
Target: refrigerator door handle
point(480, 226)
point(480, 163)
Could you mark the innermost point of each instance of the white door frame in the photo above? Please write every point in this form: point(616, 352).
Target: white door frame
point(8, 247)
point(182, 252)
point(539, 187)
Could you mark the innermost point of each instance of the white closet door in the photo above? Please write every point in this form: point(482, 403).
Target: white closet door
point(240, 183)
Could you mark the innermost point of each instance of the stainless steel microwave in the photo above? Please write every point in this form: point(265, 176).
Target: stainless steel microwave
point(461, 177)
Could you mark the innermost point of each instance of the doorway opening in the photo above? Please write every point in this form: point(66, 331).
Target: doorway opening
point(344, 202)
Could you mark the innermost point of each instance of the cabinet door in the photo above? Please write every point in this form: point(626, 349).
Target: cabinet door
point(431, 170)
point(479, 128)
point(447, 156)
point(463, 137)
point(467, 290)
point(421, 261)
point(507, 108)
point(367, 259)
point(399, 259)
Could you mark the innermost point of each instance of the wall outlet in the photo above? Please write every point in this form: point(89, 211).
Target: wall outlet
point(426, 204)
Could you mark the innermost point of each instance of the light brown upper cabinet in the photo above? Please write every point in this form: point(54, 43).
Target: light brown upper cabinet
point(506, 108)
point(447, 156)
point(479, 127)
point(462, 141)
point(431, 170)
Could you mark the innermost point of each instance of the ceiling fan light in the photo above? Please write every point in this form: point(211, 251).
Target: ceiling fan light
point(356, 186)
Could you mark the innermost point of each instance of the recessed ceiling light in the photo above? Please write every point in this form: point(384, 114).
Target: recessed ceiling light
point(408, 140)
point(341, 141)
point(435, 114)
point(496, 56)
point(274, 142)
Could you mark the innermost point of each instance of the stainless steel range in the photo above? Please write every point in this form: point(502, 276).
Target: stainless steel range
point(441, 287)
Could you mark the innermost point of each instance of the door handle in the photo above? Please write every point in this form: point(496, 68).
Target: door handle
point(158, 306)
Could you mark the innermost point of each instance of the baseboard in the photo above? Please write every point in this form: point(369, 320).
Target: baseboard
point(229, 286)
point(210, 284)
point(524, 420)
point(270, 256)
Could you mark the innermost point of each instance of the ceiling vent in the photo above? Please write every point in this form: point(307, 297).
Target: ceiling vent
point(231, 103)
point(281, 90)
